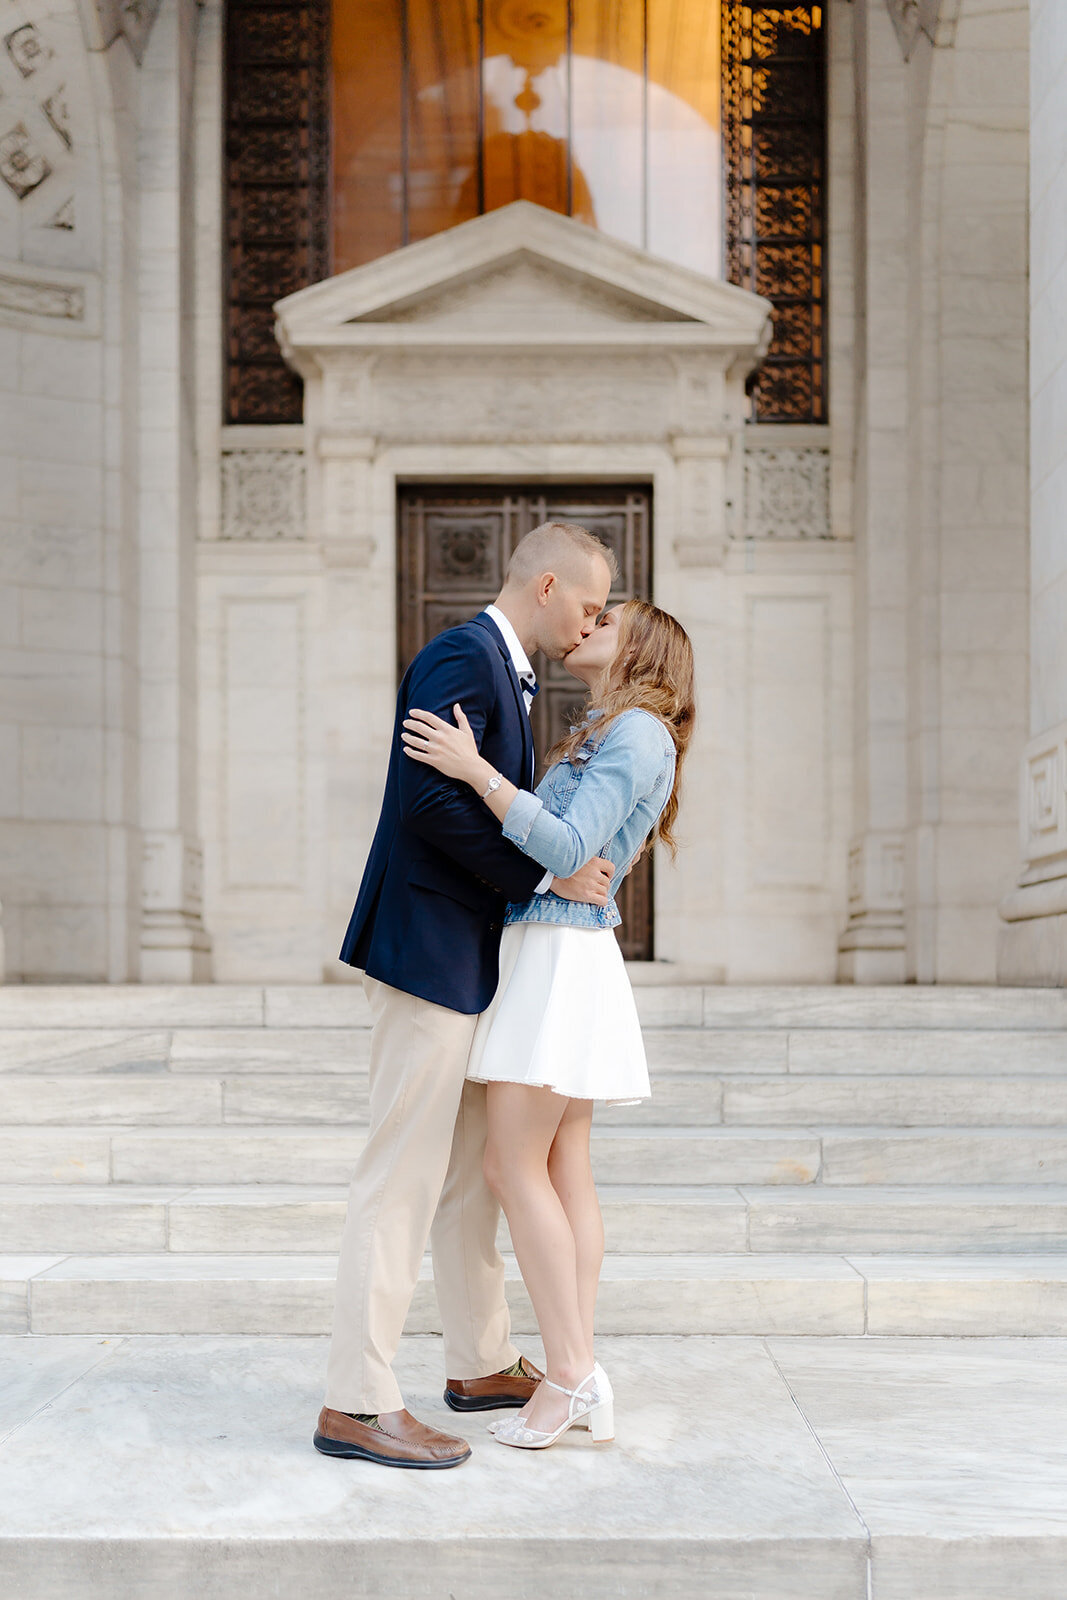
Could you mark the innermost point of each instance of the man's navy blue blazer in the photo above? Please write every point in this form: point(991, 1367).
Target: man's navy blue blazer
point(430, 908)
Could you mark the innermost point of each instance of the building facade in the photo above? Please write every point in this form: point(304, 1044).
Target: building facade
point(305, 317)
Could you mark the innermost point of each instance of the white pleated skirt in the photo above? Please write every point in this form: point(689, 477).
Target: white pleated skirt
point(563, 1017)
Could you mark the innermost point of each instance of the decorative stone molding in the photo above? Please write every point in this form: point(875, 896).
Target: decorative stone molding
point(1044, 805)
point(175, 947)
point(701, 540)
point(608, 395)
point(876, 874)
point(131, 20)
point(1042, 888)
point(49, 153)
point(28, 49)
point(872, 947)
point(263, 494)
point(911, 18)
point(36, 298)
point(49, 299)
point(787, 494)
point(169, 862)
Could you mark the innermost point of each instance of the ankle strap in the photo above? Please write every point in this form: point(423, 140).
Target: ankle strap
point(571, 1392)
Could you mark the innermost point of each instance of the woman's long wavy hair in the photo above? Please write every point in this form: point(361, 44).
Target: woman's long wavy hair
point(652, 671)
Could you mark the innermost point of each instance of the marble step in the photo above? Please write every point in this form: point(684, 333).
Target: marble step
point(921, 1218)
point(944, 1155)
point(639, 1219)
point(732, 1053)
point(144, 1098)
point(676, 1294)
point(661, 1003)
point(119, 1218)
point(285, 1153)
point(277, 1153)
point(160, 1098)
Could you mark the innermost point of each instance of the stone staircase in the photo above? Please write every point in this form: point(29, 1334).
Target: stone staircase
point(814, 1161)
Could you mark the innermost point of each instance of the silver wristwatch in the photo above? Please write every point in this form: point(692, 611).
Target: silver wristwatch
point(494, 784)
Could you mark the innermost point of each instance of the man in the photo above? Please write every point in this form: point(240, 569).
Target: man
point(426, 932)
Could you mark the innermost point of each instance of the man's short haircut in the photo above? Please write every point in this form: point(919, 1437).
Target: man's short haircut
point(552, 547)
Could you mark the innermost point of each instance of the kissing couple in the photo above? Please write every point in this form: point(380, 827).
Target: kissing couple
point(500, 1001)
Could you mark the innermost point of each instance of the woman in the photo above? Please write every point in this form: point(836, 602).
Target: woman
point(562, 1029)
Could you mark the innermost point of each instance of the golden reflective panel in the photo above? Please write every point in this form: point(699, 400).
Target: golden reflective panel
point(605, 110)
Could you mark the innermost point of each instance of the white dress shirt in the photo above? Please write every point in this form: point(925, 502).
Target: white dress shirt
point(519, 659)
point(521, 662)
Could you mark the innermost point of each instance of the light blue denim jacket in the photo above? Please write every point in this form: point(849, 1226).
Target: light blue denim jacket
point(605, 803)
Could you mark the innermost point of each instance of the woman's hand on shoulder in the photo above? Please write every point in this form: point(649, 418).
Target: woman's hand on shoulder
point(436, 743)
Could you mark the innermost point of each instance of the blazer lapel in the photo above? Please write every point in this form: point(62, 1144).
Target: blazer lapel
point(490, 626)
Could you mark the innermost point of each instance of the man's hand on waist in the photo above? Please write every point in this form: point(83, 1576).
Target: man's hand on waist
point(590, 885)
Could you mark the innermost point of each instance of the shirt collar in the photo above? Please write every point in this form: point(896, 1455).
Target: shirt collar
point(519, 659)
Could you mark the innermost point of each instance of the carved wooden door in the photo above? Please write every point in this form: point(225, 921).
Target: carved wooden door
point(455, 541)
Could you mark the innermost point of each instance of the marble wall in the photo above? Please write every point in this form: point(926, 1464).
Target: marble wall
point(98, 860)
point(197, 640)
point(69, 864)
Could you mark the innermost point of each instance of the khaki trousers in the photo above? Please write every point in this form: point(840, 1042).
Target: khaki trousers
point(419, 1176)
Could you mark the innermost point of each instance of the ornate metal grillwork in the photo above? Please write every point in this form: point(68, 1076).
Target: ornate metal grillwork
point(278, 70)
point(774, 119)
point(277, 172)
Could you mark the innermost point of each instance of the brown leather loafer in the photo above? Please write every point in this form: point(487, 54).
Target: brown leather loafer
point(400, 1440)
point(493, 1393)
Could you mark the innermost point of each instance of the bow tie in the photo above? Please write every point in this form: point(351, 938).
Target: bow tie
point(529, 684)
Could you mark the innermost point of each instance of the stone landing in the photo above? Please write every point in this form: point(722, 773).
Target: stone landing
point(743, 1469)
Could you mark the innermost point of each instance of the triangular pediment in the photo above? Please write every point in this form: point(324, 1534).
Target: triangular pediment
point(520, 269)
point(526, 290)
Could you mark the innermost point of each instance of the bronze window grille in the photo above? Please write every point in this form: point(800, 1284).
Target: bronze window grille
point(774, 134)
point(278, 180)
point(276, 191)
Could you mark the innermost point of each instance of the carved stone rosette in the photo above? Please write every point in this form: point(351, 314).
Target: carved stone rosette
point(787, 494)
point(263, 494)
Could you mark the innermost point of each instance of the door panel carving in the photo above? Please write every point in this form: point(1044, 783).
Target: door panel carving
point(455, 541)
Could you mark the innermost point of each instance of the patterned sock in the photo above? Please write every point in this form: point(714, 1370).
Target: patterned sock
point(516, 1371)
point(371, 1422)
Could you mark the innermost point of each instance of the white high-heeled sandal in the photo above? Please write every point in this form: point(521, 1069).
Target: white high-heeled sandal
point(595, 1409)
point(604, 1390)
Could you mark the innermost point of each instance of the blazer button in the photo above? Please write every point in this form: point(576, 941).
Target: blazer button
point(495, 927)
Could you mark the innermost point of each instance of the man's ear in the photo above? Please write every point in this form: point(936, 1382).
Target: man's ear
point(545, 585)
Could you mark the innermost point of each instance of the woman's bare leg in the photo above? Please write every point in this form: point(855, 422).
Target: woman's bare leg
point(523, 1124)
point(570, 1172)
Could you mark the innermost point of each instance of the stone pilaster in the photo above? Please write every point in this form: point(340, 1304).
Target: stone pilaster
point(872, 946)
point(1033, 938)
point(174, 945)
point(702, 470)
